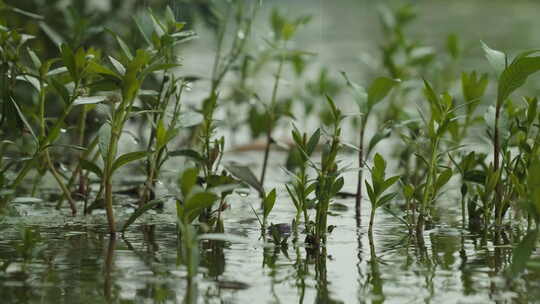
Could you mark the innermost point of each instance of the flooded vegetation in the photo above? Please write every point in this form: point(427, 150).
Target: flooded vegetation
point(269, 152)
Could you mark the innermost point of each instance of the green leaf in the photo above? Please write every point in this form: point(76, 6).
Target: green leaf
point(515, 75)
point(188, 180)
point(161, 135)
point(198, 202)
point(92, 167)
point(123, 45)
point(379, 89)
point(34, 58)
point(196, 156)
point(104, 135)
point(52, 34)
point(68, 58)
point(89, 100)
point(313, 142)
point(25, 13)
point(475, 176)
point(23, 119)
point(268, 203)
point(371, 194)
point(127, 158)
point(158, 27)
point(497, 59)
point(380, 135)
point(246, 175)
point(117, 65)
point(96, 68)
point(378, 168)
point(359, 93)
point(386, 198)
point(60, 89)
point(388, 183)
point(442, 179)
point(143, 34)
point(140, 211)
point(337, 186)
point(293, 198)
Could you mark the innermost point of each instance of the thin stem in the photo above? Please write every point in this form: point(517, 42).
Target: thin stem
point(271, 118)
point(58, 179)
point(358, 204)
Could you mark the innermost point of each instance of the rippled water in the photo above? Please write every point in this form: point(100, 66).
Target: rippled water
point(73, 260)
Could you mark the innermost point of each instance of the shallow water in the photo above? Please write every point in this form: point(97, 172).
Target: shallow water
point(74, 261)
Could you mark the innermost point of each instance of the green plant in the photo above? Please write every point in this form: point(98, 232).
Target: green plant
point(301, 187)
point(328, 182)
point(283, 31)
point(379, 184)
point(366, 101)
point(511, 76)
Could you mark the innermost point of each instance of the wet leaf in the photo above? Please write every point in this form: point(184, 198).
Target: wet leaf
point(245, 174)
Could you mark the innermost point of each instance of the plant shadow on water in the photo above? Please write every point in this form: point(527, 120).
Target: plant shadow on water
point(361, 197)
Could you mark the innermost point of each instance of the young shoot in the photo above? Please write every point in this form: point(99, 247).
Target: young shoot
point(379, 185)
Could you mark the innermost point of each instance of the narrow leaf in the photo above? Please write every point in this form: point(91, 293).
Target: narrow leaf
point(246, 175)
point(127, 158)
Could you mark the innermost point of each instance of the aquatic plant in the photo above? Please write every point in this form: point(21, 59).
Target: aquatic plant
point(283, 32)
point(379, 185)
point(366, 101)
point(302, 186)
point(328, 182)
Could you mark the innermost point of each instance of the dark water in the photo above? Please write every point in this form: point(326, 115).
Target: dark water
point(72, 260)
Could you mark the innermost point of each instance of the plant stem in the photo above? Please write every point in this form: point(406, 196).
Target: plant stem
point(358, 204)
point(496, 156)
point(371, 219)
point(58, 179)
point(271, 118)
point(427, 188)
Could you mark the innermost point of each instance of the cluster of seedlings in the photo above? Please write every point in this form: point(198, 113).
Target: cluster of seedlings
point(143, 84)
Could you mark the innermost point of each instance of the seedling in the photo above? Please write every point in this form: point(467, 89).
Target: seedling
point(366, 101)
point(379, 185)
point(302, 187)
point(328, 182)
